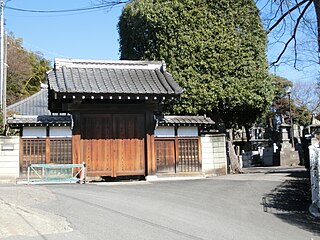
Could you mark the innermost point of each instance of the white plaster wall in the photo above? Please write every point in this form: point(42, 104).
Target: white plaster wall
point(34, 132)
point(164, 131)
point(60, 132)
point(314, 152)
point(188, 132)
point(214, 157)
point(9, 157)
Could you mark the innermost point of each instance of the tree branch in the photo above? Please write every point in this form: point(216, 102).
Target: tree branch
point(293, 34)
point(317, 8)
point(287, 13)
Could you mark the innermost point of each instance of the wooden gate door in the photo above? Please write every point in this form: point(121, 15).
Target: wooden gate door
point(165, 156)
point(113, 144)
point(189, 155)
point(174, 155)
point(129, 149)
point(97, 144)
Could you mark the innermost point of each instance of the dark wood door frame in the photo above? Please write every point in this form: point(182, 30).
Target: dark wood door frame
point(191, 158)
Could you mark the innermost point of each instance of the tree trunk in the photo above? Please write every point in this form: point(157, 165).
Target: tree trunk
point(235, 166)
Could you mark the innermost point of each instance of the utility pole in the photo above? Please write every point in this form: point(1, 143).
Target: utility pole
point(1, 52)
point(4, 106)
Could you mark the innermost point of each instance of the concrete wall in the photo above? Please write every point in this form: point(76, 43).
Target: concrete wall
point(9, 157)
point(214, 157)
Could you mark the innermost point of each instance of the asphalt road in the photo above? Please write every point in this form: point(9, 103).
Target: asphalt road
point(248, 206)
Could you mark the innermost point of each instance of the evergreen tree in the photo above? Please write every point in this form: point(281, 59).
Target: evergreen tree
point(216, 50)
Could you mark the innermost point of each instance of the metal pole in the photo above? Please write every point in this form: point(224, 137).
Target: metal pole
point(1, 52)
point(291, 122)
point(4, 106)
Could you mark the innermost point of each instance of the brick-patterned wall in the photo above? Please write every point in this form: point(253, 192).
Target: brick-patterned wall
point(214, 158)
point(9, 157)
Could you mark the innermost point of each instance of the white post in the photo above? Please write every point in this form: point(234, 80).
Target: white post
point(28, 174)
point(315, 183)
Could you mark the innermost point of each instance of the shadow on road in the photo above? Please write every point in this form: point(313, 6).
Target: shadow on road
point(290, 201)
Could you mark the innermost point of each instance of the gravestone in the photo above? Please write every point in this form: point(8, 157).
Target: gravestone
point(288, 155)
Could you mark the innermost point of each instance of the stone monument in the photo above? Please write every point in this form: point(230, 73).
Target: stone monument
point(288, 155)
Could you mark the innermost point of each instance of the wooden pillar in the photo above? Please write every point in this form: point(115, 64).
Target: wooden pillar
point(21, 147)
point(200, 153)
point(150, 156)
point(176, 152)
point(47, 157)
point(76, 139)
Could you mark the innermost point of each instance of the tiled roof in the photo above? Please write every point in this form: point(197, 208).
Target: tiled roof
point(184, 120)
point(20, 120)
point(36, 104)
point(71, 76)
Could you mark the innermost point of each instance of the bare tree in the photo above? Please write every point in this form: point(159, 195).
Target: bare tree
point(306, 94)
point(110, 3)
point(293, 27)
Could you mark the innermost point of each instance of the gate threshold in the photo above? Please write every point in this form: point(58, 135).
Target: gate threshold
point(175, 177)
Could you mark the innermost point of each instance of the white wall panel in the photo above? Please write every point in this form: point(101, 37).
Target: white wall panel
point(188, 132)
point(164, 132)
point(34, 132)
point(60, 132)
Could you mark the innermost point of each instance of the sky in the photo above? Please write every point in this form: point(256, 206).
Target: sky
point(86, 35)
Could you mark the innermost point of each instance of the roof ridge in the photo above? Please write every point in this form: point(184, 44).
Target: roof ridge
point(122, 64)
point(172, 83)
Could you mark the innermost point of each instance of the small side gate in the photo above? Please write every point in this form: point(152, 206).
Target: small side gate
point(44, 151)
point(174, 155)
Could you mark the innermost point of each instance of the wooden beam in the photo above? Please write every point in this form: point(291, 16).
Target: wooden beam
point(76, 149)
point(47, 157)
point(76, 139)
point(150, 155)
point(21, 156)
point(176, 146)
point(140, 107)
point(200, 153)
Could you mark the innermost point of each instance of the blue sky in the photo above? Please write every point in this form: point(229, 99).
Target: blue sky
point(89, 35)
point(86, 35)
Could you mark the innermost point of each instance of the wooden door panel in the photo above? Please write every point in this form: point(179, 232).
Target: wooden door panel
point(189, 160)
point(113, 145)
point(129, 144)
point(165, 155)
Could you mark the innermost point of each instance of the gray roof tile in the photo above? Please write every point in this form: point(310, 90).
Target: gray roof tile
point(111, 77)
point(36, 104)
point(184, 120)
point(38, 120)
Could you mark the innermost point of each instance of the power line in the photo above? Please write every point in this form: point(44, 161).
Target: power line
point(53, 15)
point(101, 6)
